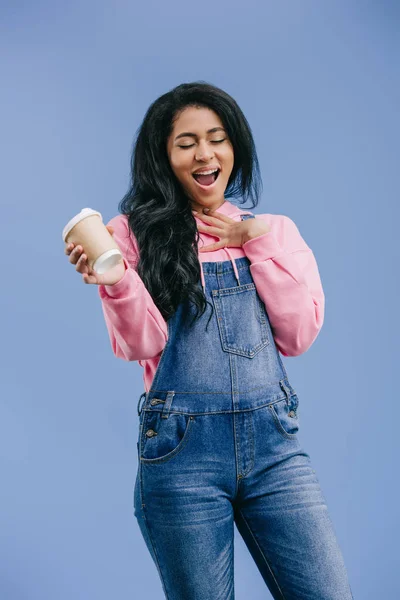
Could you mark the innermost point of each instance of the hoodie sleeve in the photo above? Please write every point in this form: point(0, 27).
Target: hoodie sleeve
point(287, 279)
point(136, 328)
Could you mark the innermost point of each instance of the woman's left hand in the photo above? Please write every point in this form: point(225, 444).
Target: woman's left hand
point(230, 233)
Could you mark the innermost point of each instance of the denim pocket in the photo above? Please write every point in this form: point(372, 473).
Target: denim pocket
point(286, 417)
point(242, 319)
point(162, 439)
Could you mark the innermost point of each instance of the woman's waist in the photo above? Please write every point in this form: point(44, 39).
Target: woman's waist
point(216, 400)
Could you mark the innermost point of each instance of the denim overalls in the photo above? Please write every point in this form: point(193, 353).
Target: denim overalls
point(218, 445)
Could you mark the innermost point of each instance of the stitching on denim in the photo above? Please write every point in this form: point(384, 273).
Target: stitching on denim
point(228, 268)
point(141, 493)
point(236, 457)
point(155, 554)
point(232, 291)
point(163, 353)
point(261, 311)
point(254, 389)
point(282, 366)
point(179, 447)
point(251, 449)
point(237, 449)
point(218, 412)
point(262, 554)
point(280, 428)
point(222, 325)
point(233, 375)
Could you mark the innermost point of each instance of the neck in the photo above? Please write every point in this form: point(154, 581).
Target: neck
point(211, 205)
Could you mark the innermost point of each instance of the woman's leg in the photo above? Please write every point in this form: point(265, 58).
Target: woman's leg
point(282, 515)
point(186, 516)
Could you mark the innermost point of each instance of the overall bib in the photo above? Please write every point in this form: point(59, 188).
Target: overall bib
point(218, 445)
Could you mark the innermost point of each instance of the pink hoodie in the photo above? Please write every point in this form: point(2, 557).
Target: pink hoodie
point(284, 271)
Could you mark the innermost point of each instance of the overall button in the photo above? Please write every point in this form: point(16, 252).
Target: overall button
point(292, 413)
point(156, 401)
point(151, 433)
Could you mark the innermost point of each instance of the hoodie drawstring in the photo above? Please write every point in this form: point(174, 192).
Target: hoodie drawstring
point(235, 269)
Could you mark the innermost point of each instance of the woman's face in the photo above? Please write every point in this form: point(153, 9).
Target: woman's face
point(199, 142)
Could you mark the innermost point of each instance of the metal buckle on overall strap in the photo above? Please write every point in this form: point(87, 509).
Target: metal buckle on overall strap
point(244, 217)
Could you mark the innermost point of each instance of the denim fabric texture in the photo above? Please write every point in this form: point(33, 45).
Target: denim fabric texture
point(218, 445)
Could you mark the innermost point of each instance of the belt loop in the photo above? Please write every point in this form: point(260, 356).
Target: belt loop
point(167, 405)
point(286, 390)
point(140, 410)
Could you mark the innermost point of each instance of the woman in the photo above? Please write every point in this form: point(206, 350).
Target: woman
point(206, 298)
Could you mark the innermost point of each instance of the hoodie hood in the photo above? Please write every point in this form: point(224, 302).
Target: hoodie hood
point(232, 211)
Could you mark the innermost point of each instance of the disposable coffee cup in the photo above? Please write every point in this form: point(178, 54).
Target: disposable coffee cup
point(88, 230)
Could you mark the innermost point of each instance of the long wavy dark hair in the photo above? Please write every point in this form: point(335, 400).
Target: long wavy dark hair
point(159, 211)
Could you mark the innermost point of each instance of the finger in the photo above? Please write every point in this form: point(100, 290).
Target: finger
point(211, 247)
point(68, 248)
point(210, 230)
point(81, 265)
point(75, 254)
point(207, 217)
point(218, 216)
point(216, 225)
point(87, 278)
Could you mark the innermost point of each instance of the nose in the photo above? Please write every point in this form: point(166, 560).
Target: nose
point(204, 151)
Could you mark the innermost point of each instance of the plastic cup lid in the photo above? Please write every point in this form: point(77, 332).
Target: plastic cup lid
point(106, 261)
point(85, 212)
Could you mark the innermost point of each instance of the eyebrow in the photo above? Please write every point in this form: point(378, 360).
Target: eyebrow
point(187, 134)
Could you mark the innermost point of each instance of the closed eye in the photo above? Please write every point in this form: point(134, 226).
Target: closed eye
point(213, 142)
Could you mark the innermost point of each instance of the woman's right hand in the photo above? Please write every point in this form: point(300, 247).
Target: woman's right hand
point(78, 258)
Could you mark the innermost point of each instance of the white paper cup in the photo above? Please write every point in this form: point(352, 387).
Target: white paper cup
point(88, 230)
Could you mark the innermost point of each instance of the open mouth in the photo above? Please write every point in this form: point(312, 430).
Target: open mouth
point(206, 181)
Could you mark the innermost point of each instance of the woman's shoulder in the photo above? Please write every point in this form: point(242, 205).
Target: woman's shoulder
point(273, 218)
point(119, 222)
point(280, 223)
point(285, 230)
